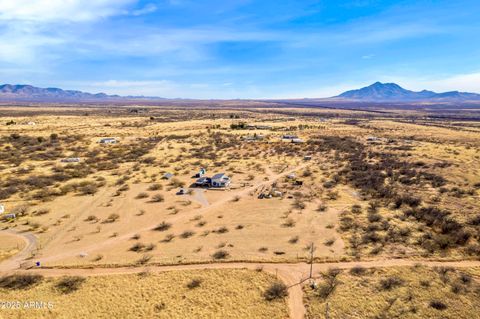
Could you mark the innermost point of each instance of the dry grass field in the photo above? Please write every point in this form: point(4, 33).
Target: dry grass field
point(402, 292)
point(10, 245)
point(357, 185)
point(176, 294)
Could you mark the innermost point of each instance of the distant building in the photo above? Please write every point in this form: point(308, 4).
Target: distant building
point(70, 160)
point(167, 176)
point(297, 140)
point(108, 140)
point(289, 137)
point(2, 209)
point(220, 180)
point(307, 157)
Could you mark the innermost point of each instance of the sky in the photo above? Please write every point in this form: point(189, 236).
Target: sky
point(239, 48)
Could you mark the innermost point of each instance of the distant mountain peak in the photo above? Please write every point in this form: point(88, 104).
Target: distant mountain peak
point(25, 92)
point(379, 91)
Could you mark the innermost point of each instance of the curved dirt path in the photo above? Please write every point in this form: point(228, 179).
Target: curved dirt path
point(15, 261)
point(293, 275)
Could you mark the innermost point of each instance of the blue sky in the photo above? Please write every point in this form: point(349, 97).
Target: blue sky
point(239, 49)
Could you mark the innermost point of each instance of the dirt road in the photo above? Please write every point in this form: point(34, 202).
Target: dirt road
point(291, 274)
point(14, 262)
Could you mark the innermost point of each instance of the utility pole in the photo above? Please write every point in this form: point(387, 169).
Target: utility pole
point(312, 249)
point(327, 315)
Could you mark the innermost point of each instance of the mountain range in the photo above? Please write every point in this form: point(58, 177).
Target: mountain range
point(377, 92)
point(391, 92)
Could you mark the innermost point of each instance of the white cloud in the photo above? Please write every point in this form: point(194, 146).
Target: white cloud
point(61, 10)
point(149, 8)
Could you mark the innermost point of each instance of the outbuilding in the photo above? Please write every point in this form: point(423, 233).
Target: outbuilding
point(167, 176)
point(108, 140)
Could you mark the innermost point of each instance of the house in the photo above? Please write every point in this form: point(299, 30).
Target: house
point(2, 209)
point(70, 160)
point(220, 180)
point(289, 137)
point(108, 140)
point(307, 158)
point(203, 181)
point(372, 138)
point(297, 140)
point(167, 176)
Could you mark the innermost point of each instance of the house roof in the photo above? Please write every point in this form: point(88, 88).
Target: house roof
point(218, 176)
point(167, 175)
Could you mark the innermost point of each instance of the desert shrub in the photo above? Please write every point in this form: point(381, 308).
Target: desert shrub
point(329, 242)
point(277, 290)
point(289, 223)
point(141, 195)
point(155, 187)
point(194, 283)
point(144, 259)
point(437, 304)
point(16, 282)
point(91, 218)
point(163, 226)
point(136, 237)
point(168, 238)
point(298, 204)
point(137, 247)
point(329, 284)
point(40, 212)
point(374, 217)
point(157, 198)
point(293, 240)
point(222, 230)
point(322, 207)
point(112, 218)
point(69, 284)
point(220, 254)
point(175, 182)
point(187, 234)
point(391, 283)
point(358, 270)
point(89, 189)
point(356, 209)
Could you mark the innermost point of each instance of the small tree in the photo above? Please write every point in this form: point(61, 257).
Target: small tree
point(277, 290)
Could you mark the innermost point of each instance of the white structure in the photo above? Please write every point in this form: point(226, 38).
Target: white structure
point(70, 160)
point(2, 209)
point(289, 137)
point(297, 140)
point(108, 140)
point(220, 180)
